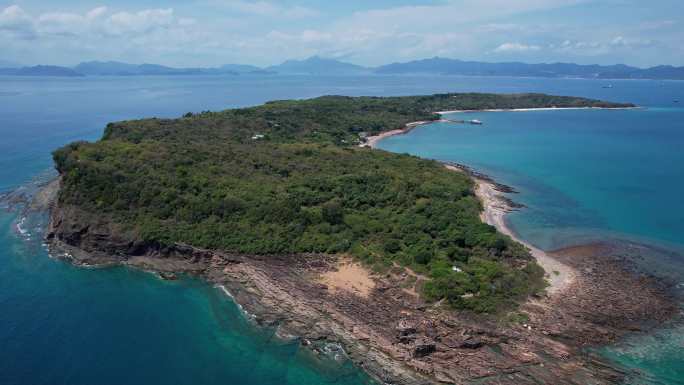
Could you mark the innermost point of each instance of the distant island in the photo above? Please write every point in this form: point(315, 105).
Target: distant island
point(317, 66)
point(553, 70)
point(40, 70)
point(125, 69)
point(285, 208)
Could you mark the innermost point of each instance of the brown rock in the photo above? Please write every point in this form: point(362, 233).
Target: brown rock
point(424, 347)
point(471, 343)
point(405, 327)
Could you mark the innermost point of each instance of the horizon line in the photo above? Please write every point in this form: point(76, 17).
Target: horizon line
point(339, 60)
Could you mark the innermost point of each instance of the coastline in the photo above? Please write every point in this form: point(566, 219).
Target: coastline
point(582, 279)
point(495, 207)
point(386, 328)
point(372, 141)
point(389, 331)
point(537, 109)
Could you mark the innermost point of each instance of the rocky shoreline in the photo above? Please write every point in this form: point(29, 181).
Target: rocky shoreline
point(391, 332)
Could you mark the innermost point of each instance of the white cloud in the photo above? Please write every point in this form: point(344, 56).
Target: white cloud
point(13, 17)
point(270, 9)
point(95, 22)
point(516, 48)
point(603, 47)
point(503, 27)
point(139, 22)
point(96, 12)
point(99, 34)
point(453, 28)
point(621, 41)
point(14, 20)
point(455, 12)
point(62, 23)
point(268, 31)
point(371, 37)
point(657, 24)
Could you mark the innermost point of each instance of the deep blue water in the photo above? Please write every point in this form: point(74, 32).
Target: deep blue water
point(582, 173)
point(65, 325)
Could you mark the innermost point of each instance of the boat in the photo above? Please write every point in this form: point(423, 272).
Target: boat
point(476, 122)
point(608, 86)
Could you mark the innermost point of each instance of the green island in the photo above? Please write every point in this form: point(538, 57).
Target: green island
point(289, 177)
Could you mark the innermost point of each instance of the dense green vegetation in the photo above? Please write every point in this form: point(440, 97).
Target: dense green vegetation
point(328, 119)
point(203, 180)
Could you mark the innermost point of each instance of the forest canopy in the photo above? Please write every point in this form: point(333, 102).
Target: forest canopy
point(288, 177)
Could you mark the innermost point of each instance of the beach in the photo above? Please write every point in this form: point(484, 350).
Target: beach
point(559, 275)
point(372, 141)
point(535, 109)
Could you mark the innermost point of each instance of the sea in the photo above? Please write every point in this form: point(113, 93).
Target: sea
point(583, 175)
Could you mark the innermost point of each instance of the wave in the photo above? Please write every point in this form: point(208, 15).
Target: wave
point(18, 198)
point(20, 227)
point(247, 314)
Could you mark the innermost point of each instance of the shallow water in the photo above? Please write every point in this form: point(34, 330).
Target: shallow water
point(65, 325)
point(586, 175)
point(581, 173)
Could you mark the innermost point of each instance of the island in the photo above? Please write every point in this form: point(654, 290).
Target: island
point(286, 208)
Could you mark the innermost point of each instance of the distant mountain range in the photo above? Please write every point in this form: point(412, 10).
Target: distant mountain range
point(40, 70)
point(113, 68)
point(555, 70)
point(317, 66)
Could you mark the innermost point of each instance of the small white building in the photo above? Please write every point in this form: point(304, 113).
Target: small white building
point(257, 136)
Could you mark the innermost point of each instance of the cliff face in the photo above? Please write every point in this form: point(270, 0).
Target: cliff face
point(99, 240)
point(93, 240)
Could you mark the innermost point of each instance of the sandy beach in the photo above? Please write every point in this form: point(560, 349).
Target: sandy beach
point(535, 109)
point(559, 275)
point(372, 141)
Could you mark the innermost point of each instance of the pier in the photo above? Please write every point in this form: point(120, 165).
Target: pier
point(473, 121)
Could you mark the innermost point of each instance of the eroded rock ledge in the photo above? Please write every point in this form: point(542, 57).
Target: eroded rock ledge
point(389, 331)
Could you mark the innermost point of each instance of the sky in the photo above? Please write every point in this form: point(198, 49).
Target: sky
point(266, 32)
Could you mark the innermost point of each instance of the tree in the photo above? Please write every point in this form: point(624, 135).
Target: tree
point(333, 212)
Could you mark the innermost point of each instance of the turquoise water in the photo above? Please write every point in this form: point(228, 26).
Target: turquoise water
point(583, 173)
point(65, 325)
point(586, 175)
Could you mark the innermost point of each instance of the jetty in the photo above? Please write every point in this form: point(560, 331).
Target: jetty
point(473, 121)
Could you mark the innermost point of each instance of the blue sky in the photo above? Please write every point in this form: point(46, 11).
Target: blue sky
point(214, 32)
